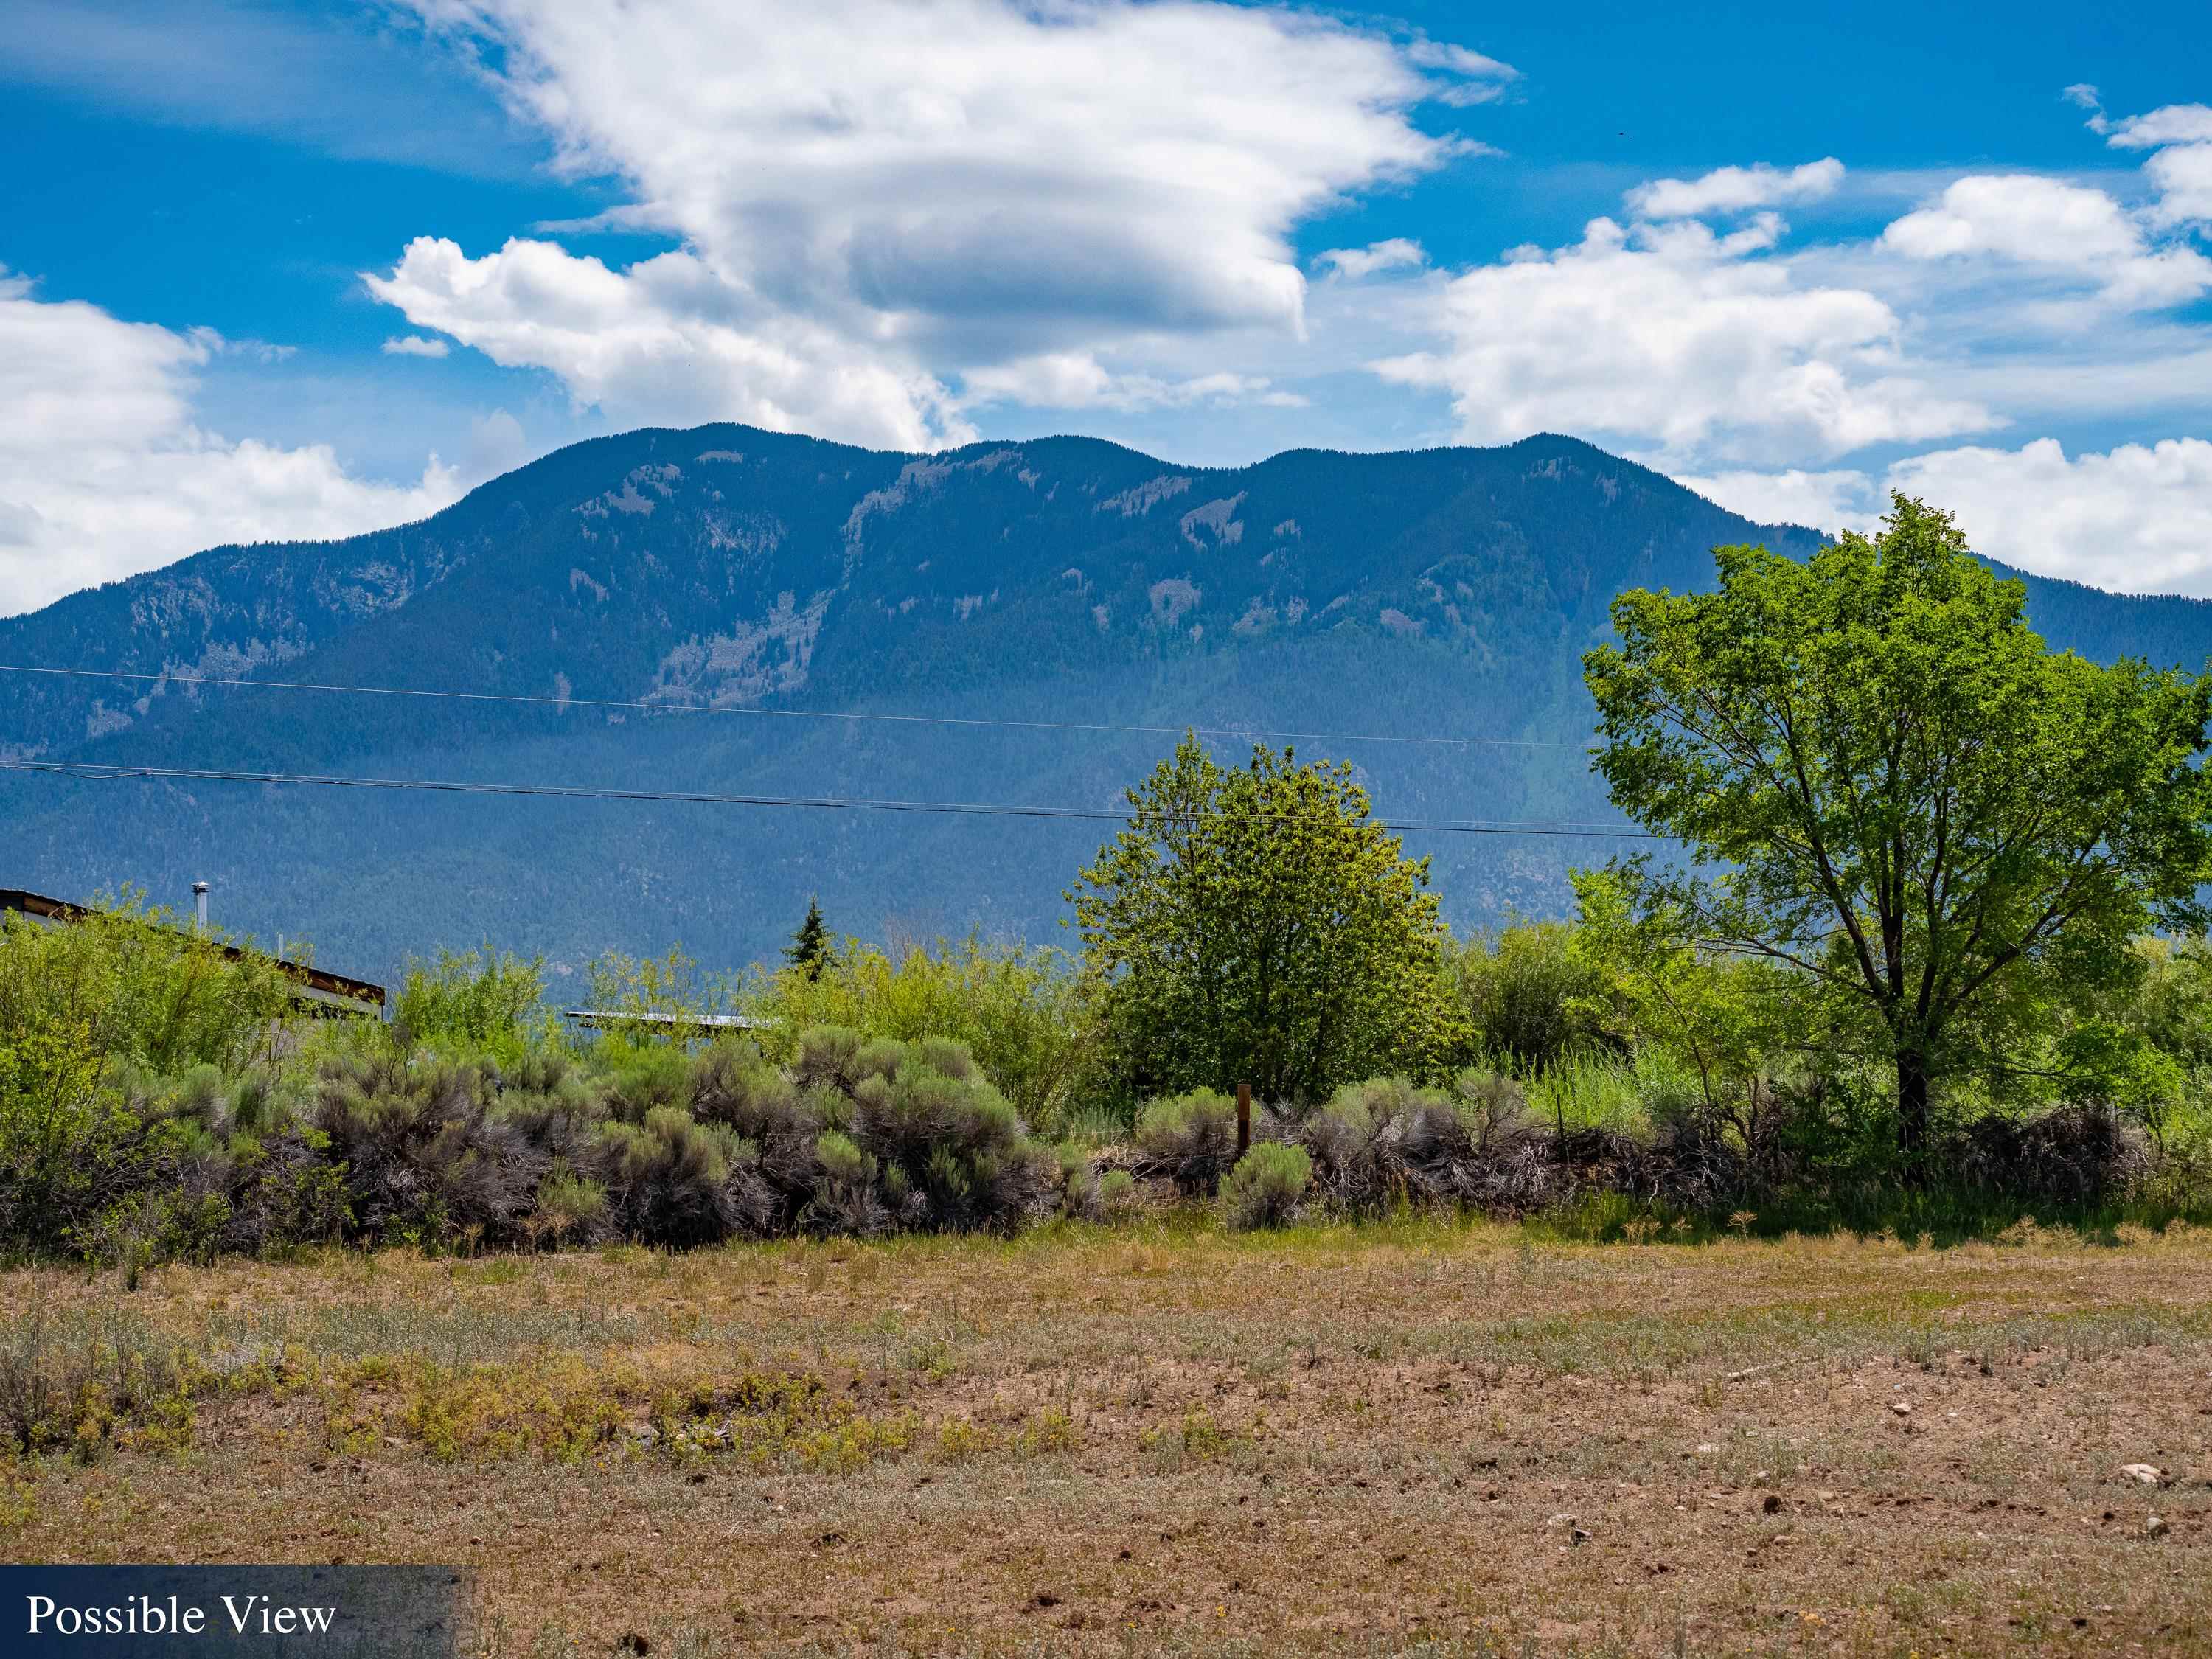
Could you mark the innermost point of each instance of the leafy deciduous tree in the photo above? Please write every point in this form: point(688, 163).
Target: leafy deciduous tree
point(1896, 789)
point(1258, 926)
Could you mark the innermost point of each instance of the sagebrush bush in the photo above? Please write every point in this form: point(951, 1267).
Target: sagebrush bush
point(950, 1152)
point(1266, 1185)
point(569, 1207)
point(671, 1180)
point(1027, 1016)
point(161, 1100)
point(1190, 1139)
point(426, 1159)
point(1471, 1144)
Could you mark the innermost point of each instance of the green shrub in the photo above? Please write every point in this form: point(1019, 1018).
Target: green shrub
point(1266, 1187)
point(846, 1200)
point(634, 992)
point(1087, 1193)
point(1190, 1139)
point(1531, 994)
point(482, 1002)
point(126, 984)
point(733, 1084)
point(1026, 1015)
point(952, 1153)
point(570, 1208)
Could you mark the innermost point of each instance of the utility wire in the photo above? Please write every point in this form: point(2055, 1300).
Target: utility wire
point(563, 704)
point(96, 771)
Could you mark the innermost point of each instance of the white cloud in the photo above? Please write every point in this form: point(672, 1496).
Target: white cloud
point(415, 345)
point(2182, 175)
point(1476, 79)
point(1826, 501)
point(1673, 336)
point(2136, 519)
point(2181, 169)
point(1733, 190)
point(1078, 380)
point(105, 472)
point(879, 205)
point(1398, 253)
point(2074, 229)
point(496, 445)
point(646, 345)
point(2177, 123)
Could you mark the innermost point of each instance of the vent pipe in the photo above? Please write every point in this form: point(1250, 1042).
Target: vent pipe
point(200, 907)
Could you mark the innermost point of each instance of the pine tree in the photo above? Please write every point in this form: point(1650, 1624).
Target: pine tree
point(810, 946)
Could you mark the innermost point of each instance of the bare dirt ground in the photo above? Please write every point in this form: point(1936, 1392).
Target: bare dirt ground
point(1419, 1437)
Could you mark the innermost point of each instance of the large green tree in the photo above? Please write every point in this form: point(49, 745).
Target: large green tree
point(1890, 785)
point(1258, 926)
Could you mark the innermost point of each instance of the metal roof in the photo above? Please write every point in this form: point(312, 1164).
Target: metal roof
point(596, 1017)
point(318, 986)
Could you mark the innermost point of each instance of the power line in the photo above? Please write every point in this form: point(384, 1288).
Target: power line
point(95, 771)
point(563, 704)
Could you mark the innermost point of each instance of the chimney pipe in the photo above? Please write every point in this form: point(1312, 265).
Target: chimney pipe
point(200, 907)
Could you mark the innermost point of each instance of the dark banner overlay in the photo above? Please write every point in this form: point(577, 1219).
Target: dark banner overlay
point(216, 1612)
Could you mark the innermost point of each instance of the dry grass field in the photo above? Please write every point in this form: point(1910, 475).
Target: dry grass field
point(1418, 1437)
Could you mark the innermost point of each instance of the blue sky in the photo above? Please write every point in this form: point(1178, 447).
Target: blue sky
point(272, 271)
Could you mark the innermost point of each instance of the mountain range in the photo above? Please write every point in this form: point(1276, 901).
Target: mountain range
point(707, 612)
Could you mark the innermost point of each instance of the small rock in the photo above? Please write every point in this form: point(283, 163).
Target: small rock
point(1579, 1536)
point(2149, 1473)
point(2156, 1527)
point(1901, 1407)
point(1561, 1520)
point(1707, 1450)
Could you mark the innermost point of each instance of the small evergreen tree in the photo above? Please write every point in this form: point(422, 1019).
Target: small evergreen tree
point(810, 946)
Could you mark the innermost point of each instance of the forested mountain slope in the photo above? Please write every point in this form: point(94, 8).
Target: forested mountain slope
point(713, 573)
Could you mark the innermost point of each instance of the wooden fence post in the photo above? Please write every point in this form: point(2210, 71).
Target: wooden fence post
point(1243, 1119)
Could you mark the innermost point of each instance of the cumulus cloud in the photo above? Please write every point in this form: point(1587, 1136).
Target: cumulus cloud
point(876, 204)
point(1733, 190)
point(1077, 381)
point(657, 344)
point(104, 470)
point(1827, 501)
point(1673, 336)
point(2180, 170)
point(2136, 519)
point(1396, 253)
point(2183, 177)
point(2176, 124)
point(2032, 221)
point(415, 345)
